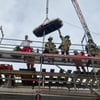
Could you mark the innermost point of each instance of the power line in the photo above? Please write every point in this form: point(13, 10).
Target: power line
point(78, 27)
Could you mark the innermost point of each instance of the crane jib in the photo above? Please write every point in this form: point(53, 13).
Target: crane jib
point(81, 18)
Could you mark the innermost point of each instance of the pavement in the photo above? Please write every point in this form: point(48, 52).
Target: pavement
point(28, 93)
point(7, 96)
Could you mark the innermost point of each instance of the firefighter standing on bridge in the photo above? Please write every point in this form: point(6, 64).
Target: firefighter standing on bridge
point(50, 47)
point(91, 48)
point(65, 45)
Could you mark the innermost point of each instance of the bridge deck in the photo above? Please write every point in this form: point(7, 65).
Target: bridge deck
point(51, 59)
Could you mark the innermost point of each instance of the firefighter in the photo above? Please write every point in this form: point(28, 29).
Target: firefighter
point(26, 44)
point(78, 62)
point(65, 44)
point(50, 47)
point(91, 48)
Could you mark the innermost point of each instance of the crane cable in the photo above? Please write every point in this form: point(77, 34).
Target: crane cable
point(47, 9)
point(47, 6)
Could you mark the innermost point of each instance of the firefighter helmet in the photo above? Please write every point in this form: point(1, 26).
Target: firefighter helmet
point(67, 36)
point(50, 38)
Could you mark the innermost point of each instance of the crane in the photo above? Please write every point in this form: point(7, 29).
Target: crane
point(81, 18)
point(85, 27)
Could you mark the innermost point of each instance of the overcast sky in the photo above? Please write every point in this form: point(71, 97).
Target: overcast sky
point(20, 17)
